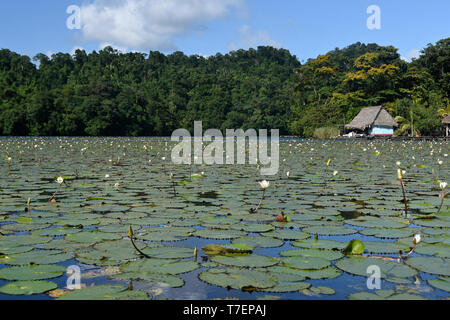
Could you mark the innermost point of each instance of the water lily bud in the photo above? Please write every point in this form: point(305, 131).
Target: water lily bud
point(288, 174)
point(399, 174)
point(171, 176)
point(264, 184)
point(335, 173)
point(416, 239)
point(60, 180)
point(328, 162)
point(130, 232)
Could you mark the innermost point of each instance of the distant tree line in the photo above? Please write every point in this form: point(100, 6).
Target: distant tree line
point(108, 93)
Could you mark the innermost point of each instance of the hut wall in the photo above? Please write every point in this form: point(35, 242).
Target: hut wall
point(381, 130)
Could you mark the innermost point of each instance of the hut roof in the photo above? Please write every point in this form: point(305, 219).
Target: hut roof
point(371, 116)
point(446, 119)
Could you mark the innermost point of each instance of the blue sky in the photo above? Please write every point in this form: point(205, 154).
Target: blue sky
point(305, 27)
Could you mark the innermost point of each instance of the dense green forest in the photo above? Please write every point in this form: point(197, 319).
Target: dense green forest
point(110, 93)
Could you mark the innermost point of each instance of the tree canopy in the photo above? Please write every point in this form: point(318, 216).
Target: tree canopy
point(134, 94)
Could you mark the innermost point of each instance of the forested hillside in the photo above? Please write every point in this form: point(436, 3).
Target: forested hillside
point(110, 93)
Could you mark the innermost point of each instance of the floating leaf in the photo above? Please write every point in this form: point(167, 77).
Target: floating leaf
point(27, 287)
point(239, 278)
point(32, 272)
point(433, 265)
point(252, 261)
point(355, 246)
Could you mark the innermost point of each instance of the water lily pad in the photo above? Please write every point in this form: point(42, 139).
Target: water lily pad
point(161, 279)
point(91, 236)
point(239, 279)
point(164, 252)
point(385, 247)
point(440, 284)
point(436, 249)
point(252, 227)
point(36, 257)
point(286, 234)
point(325, 273)
point(323, 290)
point(27, 287)
point(329, 230)
point(319, 244)
point(433, 265)
point(219, 234)
point(162, 266)
point(252, 261)
point(389, 233)
point(325, 254)
point(102, 292)
point(358, 266)
point(262, 242)
point(305, 263)
point(288, 287)
point(32, 272)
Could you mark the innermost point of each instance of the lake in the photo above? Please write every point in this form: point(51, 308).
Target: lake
point(336, 191)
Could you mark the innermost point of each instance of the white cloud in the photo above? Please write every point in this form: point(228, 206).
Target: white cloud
point(413, 54)
point(252, 39)
point(103, 45)
point(149, 24)
point(74, 50)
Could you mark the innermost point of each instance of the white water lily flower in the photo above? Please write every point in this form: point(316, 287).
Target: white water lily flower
point(443, 185)
point(116, 185)
point(398, 163)
point(440, 162)
point(106, 176)
point(264, 184)
point(335, 173)
point(288, 174)
point(60, 180)
point(163, 158)
point(417, 238)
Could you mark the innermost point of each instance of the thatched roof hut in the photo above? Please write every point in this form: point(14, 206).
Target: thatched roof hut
point(375, 120)
point(446, 119)
point(446, 122)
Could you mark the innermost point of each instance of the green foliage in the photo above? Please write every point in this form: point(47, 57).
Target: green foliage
point(326, 133)
point(108, 93)
point(355, 246)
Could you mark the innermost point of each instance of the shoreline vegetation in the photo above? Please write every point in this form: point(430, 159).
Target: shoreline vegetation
point(108, 93)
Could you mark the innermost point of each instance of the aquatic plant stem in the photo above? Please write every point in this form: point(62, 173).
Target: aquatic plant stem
point(260, 202)
point(131, 236)
point(409, 253)
point(404, 195)
point(443, 195)
point(53, 196)
point(174, 191)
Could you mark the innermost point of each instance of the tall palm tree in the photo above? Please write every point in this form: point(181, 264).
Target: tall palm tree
point(407, 125)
